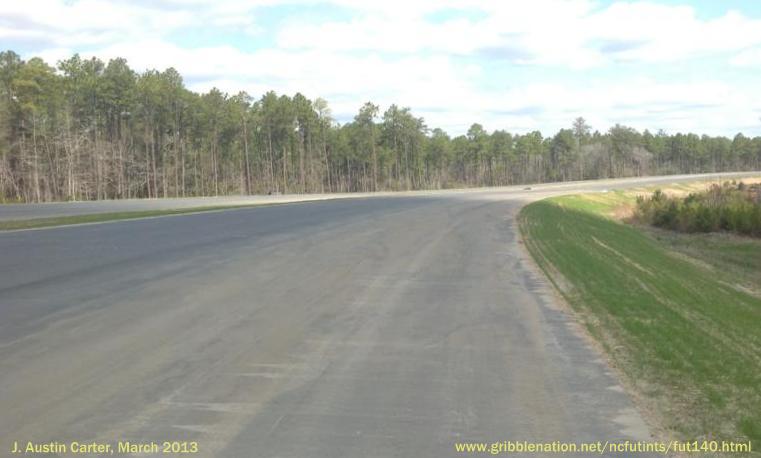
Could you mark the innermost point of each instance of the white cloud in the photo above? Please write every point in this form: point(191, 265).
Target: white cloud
point(657, 33)
point(552, 32)
point(87, 23)
point(575, 33)
point(747, 58)
point(389, 52)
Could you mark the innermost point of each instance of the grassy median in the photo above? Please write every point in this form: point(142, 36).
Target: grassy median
point(677, 314)
point(104, 217)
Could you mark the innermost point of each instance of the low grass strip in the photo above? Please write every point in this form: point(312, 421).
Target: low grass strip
point(104, 217)
point(688, 343)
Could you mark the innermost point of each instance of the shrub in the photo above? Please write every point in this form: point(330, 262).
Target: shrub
point(734, 207)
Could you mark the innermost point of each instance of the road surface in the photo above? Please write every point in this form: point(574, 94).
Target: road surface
point(57, 209)
point(370, 327)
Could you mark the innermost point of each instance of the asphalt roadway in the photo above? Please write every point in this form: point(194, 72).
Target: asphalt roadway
point(388, 326)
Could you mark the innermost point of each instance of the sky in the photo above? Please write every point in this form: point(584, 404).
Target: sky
point(515, 65)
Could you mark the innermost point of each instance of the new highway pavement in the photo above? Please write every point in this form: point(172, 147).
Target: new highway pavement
point(389, 326)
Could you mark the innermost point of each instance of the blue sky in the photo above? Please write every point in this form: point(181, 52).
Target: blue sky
point(521, 66)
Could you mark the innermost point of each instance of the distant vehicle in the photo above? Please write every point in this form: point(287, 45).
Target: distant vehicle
point(527, 188)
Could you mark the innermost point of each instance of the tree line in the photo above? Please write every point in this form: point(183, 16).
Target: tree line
point(86, 129)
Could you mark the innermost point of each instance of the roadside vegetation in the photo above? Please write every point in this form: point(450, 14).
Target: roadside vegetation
point(678, 314)
point(36, 223)
point(734, 207)
point(87, 129)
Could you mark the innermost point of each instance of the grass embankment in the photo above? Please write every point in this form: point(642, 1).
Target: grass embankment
point(104, 217)
point(667, 309)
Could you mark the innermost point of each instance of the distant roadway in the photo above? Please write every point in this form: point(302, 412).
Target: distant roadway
point(388, 326)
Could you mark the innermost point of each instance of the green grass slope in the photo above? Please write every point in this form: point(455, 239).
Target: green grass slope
point(689, 344)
